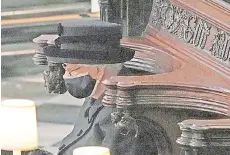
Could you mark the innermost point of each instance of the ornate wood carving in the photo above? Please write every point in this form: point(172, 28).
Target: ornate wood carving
point(187, 56)
point(134, 124)
point(191, 29)
point(53, 77)
point(221, 46)
point(205, 137)
point(124, 123)
point(176, 88)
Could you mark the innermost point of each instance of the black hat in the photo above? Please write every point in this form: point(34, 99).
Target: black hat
point(88, 42)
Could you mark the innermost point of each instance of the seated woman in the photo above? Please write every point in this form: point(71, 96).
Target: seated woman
point(86, 65)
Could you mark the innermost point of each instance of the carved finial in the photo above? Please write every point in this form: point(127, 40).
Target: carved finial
point(53, 77)
point(124, 123)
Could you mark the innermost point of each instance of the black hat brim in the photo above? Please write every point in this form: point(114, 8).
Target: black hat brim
point(57, 55)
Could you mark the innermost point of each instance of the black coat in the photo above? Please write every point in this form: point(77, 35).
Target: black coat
point(94, 128)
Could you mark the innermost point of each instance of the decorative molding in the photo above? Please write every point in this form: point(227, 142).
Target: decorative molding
point(169, 96)
point(223, 4)
point(202, 137)
point(190, 28)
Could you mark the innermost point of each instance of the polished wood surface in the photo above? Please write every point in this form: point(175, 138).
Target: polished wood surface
point(185, 52)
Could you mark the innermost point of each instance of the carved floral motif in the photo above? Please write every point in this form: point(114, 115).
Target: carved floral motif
point(189, 28)
point(221, 46)
point(181, 23)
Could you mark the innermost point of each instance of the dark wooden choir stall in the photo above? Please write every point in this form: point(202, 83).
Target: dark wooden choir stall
point(181, 93)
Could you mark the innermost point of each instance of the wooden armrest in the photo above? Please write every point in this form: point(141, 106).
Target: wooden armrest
point(185, 84)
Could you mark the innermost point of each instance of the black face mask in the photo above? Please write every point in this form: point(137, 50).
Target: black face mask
point(80, 87)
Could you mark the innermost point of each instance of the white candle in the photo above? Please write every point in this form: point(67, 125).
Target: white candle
point(18, 125)
point(91, 150)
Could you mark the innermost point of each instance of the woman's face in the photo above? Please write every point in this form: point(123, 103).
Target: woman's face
point(80, 70)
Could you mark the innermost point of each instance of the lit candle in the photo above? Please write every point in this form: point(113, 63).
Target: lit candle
point(91, 150)
point(18, 126)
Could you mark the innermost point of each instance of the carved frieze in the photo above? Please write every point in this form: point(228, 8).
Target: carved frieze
point(180, 22)
point(190, 28)
point(221, 46)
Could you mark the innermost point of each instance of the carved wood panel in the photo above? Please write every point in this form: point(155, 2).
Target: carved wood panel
point(193, 49)
point(191, 29)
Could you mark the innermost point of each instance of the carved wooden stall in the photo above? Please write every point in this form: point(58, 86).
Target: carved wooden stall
point(184, 50)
